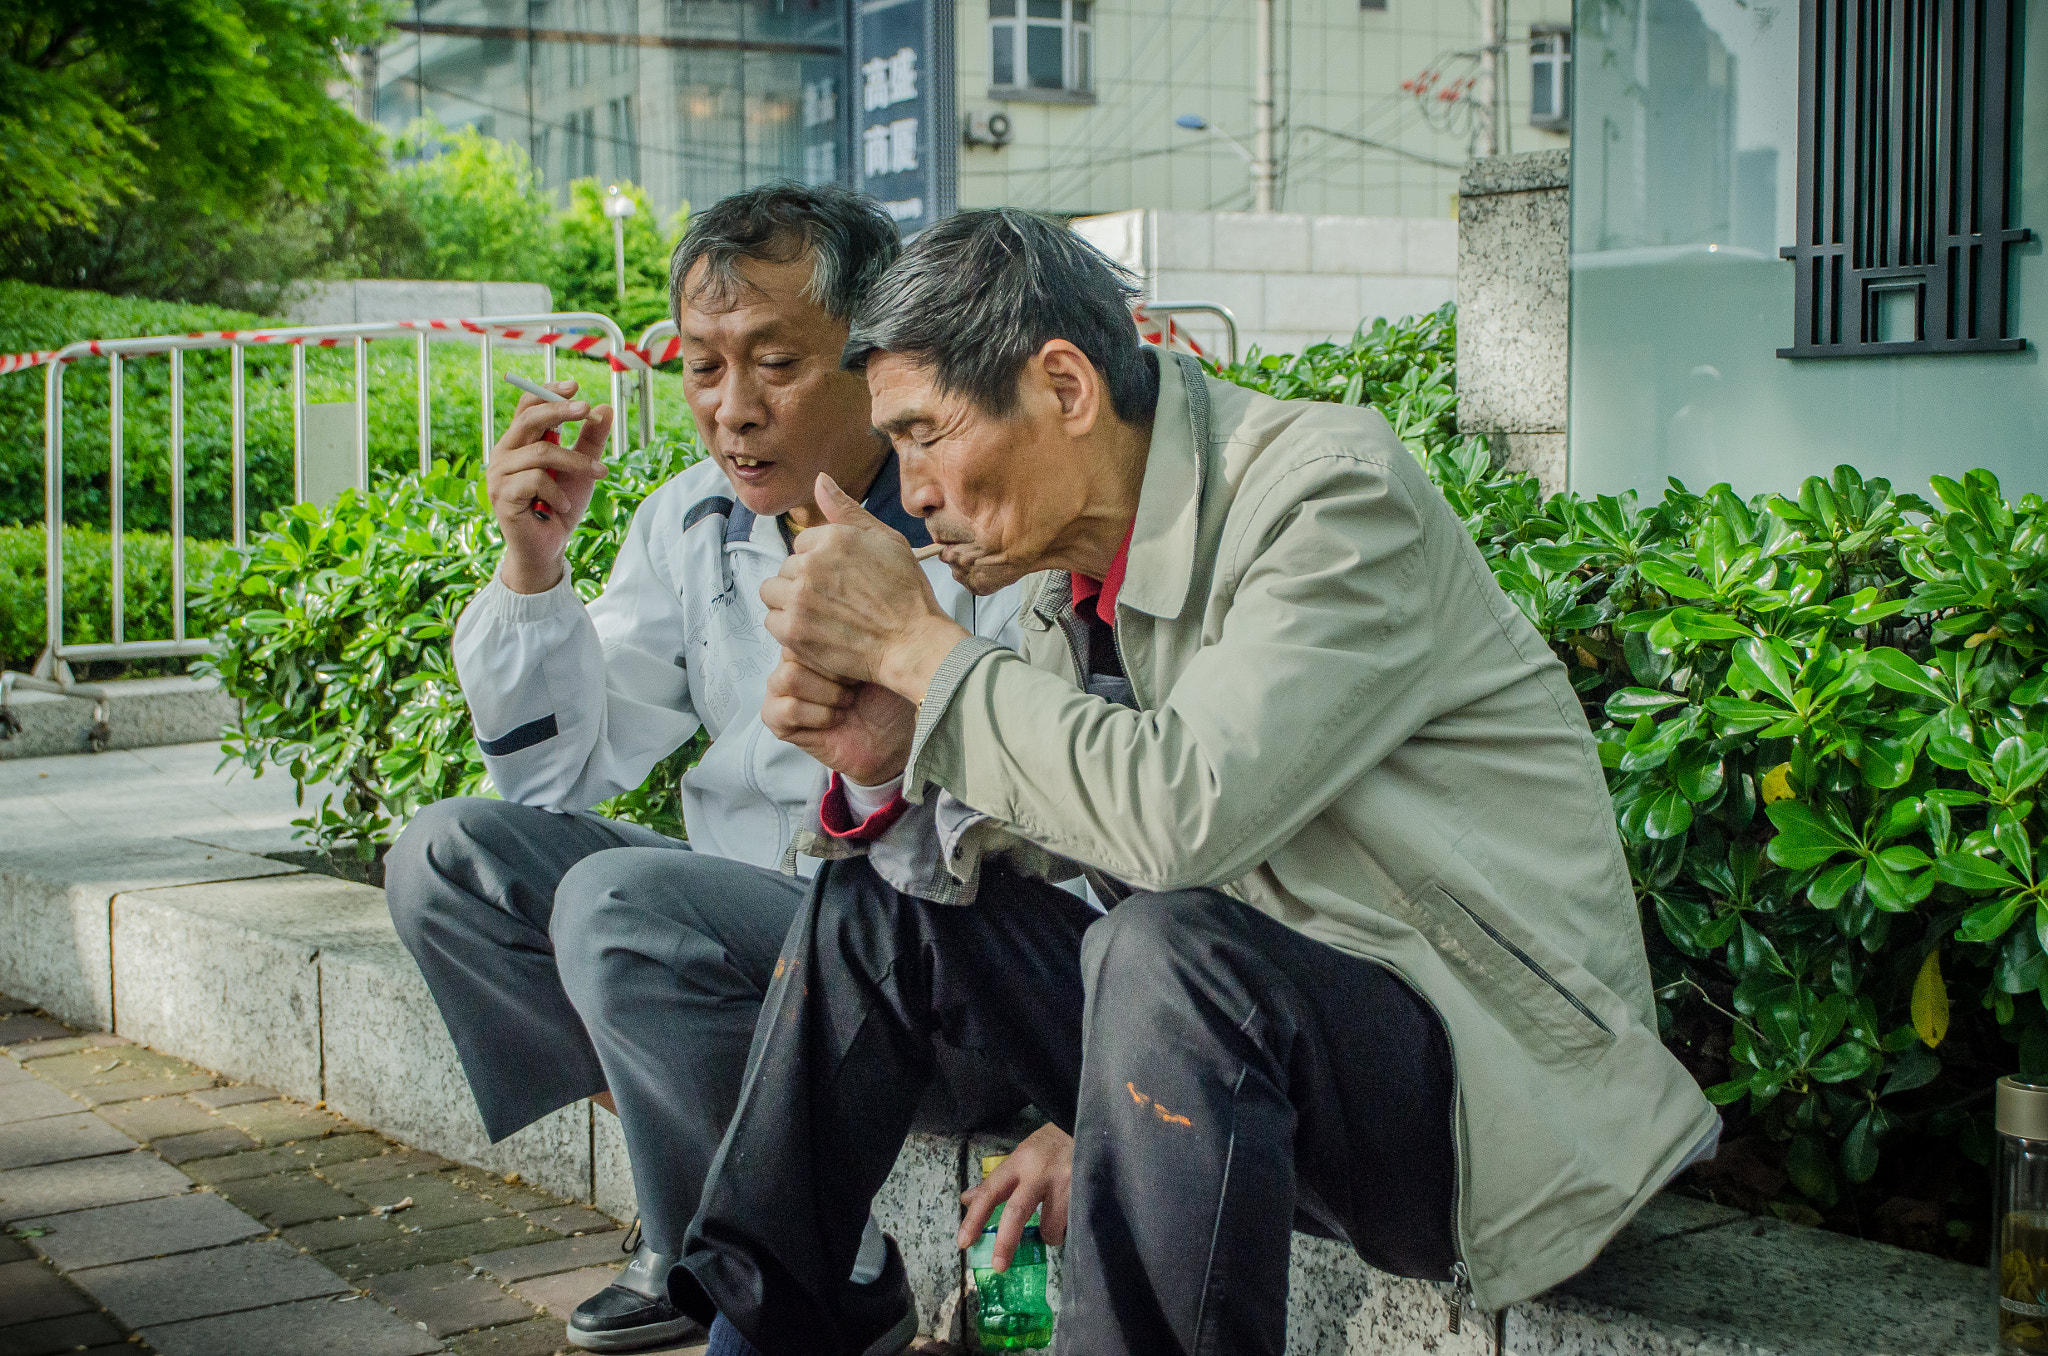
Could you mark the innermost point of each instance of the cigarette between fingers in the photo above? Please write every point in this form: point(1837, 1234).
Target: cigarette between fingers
point(927, 552)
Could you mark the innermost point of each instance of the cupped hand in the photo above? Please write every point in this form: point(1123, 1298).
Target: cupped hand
point(860, 730)
point(851, 602)
point(529, 463)
point(1038, 1175)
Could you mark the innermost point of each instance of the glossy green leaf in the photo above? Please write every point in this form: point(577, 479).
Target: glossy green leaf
point(1804, 839)
point(1896, 671)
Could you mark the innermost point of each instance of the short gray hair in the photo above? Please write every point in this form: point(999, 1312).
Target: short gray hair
point(973, 297)
point(850, 239)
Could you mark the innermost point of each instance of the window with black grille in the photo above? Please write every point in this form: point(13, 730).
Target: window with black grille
point(1904, 226)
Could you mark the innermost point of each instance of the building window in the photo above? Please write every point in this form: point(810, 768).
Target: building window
point(1905, 214)
point(1550, 78)
point(625, 138)
point(1048, 46)
point(1378, 6)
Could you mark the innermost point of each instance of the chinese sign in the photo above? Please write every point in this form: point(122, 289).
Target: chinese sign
point(899, 137)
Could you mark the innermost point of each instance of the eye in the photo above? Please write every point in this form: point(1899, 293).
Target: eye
point(702, 369)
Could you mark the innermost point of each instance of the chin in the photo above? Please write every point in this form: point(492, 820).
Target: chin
point(981, 578)
point(769, 499)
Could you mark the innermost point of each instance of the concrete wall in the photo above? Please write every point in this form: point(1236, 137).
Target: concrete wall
point(1292, 280)
point(1514, 308)
point(367, 299)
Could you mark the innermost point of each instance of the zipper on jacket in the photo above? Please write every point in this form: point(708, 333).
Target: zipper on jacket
point(1530, 962)
point(1461, 1293)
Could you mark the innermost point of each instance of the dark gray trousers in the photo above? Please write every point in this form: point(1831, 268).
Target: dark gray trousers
point(571, 953)
point(1223, 1076)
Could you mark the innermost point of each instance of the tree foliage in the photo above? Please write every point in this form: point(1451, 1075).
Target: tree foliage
point(182, 147)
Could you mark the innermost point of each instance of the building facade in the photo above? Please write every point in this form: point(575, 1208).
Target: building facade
point(1069, 106)
point(1806, 235)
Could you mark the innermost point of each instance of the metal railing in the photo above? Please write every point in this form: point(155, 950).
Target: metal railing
point(52, 672)
point(1221, 312)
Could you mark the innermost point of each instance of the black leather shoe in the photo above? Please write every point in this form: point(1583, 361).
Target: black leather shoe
point(633, 1313)
point(885, 1307)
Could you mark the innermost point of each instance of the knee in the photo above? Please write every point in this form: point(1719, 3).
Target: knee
point(1149, 947)
point(604, 903)
point(436, 846)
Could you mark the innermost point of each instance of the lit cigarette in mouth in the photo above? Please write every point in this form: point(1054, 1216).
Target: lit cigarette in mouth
point(927, 552)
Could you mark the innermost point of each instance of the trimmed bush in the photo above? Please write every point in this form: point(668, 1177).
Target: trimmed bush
point(335, 626)
point(88, 591)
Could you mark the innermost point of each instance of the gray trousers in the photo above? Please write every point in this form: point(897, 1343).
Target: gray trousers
point(571, 953)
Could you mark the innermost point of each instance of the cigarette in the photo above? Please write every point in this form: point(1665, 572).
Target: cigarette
point(927, 552)
point(534, 388)
point(538, 508)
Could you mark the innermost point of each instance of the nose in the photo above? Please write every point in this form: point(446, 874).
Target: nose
point(740, 408)
point(919, 489)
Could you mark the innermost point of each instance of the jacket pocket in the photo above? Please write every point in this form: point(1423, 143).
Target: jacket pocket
point(1538, 994)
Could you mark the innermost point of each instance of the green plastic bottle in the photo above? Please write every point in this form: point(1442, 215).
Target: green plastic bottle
point(1011, 1311)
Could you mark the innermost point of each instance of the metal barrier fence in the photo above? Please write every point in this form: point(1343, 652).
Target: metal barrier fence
point(659, 343)
point(586, 332)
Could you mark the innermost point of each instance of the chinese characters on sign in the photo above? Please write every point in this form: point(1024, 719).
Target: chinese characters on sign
point(894, 150)
point(821, 131)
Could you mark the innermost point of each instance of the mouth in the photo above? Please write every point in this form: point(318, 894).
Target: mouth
point(750, 468)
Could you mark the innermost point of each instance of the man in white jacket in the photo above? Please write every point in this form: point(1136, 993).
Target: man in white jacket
point(574, 956)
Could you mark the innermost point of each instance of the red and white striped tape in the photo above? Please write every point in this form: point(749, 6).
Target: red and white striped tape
point(589, 345)
point(1165, 334)
point(632, 358)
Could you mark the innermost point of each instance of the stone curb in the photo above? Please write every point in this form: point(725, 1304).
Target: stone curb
point(244, 965)
point(142, 713)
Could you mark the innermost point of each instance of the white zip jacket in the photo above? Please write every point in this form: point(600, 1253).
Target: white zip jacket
point(574, 704)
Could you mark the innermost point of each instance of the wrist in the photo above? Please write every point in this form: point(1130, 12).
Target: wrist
point(525, 576)
point(908, 666)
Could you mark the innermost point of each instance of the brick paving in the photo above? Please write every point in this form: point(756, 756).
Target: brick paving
point(150, 1206)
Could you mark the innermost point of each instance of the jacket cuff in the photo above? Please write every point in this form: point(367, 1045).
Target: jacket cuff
point(502, 603)
point(938, 699)
point(835, 814)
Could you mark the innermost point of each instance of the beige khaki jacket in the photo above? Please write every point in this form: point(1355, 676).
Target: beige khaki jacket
point(1347, 725)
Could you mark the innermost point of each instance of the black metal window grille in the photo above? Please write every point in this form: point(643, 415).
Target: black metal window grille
point(1904, 186)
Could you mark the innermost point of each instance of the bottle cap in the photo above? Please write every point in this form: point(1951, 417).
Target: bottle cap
point(2022, 1109)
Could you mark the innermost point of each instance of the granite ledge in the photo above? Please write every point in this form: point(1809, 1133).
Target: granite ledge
point(1530, 172)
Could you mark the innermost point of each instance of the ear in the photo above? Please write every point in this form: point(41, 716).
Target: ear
point(1073, 381)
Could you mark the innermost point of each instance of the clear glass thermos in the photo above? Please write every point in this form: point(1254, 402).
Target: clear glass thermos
point(2020, 1221)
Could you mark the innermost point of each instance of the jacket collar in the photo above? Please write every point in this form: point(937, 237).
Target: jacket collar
point(884, 500)
point(1164, 537)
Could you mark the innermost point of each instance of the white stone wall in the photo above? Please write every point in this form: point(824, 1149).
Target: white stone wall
point(1291, 279)
point(371, 299)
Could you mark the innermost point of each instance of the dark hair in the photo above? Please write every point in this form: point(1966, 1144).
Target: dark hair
point(849, 237)
point(973, 297)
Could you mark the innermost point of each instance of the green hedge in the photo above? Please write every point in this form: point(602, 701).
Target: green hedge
point(88, 588)
point(34, 317)
point(1823, 721)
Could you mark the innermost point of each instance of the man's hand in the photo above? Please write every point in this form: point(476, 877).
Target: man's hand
point(860, 730)
point(528, 464)
point(851, 603)
point(1038, 1175)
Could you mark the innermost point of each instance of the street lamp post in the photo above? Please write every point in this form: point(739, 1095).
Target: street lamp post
point(1262, 176)
point(618, 207)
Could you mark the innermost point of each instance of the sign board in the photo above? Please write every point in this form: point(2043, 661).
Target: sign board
point(900, 98)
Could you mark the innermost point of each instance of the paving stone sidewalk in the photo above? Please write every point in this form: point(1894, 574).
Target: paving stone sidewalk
point(151, 1205)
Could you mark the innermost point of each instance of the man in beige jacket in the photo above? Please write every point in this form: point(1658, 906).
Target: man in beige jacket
point(1371, 966)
